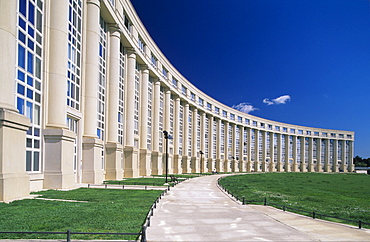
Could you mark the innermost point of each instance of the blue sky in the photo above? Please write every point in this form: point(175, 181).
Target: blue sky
point(303, 62)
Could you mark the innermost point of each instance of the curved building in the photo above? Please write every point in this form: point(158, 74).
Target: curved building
point(86, 95)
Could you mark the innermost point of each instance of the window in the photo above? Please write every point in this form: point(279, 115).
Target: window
point(154, 60)
point(102, 79)
point(255, 123)
point(137, 97)
point(200, 101)
point(224, 113)
point(209, 106)
point(217, 110)
point(277, 128)
point(127, 22)
point(232, 116)
point(28, 78)
point(192, 96)
point(324, 134)
point(246, 121)
point(141, 44)
point(308, 132)
point(292, 131)
point(149, 123)
point(285, 129)
point(121, 94)
point(74, 54)
point(240, 119)
point(174, 83)
point(184, 90)
point(165, 73)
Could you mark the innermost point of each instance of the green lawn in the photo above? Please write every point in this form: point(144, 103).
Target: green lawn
point(343, 195)
point(106, 210)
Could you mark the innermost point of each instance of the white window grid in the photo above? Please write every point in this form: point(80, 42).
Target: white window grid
point(102, 79)
point(29, 79)
point(149, 123)
point(136, 102)
point(121, 95)
point(74, 54)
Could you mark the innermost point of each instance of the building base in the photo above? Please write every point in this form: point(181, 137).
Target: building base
point(114, 164)
point(92, 161)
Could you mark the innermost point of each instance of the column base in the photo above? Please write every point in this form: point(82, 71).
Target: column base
point(194, 165)
point(14, 180)
point(156, 164)
point(131, 161)
point(92, 160)
point(113, 167)
point(144, 163)
point(210, 166)
point(256, 166)
point(177, 168)
point(59, 158)
point(186, 165)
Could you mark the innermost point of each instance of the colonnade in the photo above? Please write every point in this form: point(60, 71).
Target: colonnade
point(122, 93)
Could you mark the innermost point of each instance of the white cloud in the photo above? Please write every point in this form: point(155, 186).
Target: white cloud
point(280, 100)
point(267, 101)
point(244, 107)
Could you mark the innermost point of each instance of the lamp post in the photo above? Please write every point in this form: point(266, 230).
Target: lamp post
point(166, 136)
point(201, 164)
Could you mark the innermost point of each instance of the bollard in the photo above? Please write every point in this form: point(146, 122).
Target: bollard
point(243, 200)
point(284, 208)
point(88, 185)
point(145, 187)
point(360, 224)
point(68, 236)
point(313, 215)
point(106, 185)
point(123, 186)
point(265, 202)
point(143, 234)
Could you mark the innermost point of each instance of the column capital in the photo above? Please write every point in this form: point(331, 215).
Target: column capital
point(130, 51)
point(94, 2)
point(114, 30)
point(145, 67)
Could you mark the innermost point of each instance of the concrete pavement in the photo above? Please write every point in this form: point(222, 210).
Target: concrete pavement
point(197, 210)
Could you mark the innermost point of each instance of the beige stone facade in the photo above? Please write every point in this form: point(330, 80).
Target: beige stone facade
point(86, 95)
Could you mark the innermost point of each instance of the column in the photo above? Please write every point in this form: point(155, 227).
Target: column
point(327, 155)
point(185, 143)
point(176, 136)
point(144, 153)
point(350, 156)
point(218, 146)
point(271, 165)
point(249, 150)
point(256, 151)
point(310, 155)
point(194, 151)
point(264, 151)
point(114, 171)
point(130, 151)
point(59, 141)
point(92, 147)
point(335, 156)
point(202, 158)
point(294, 154)
point(303, 158)
point(242, 164)
point(227, 152)
point(279, 153)
point(15, 182)
point(156, 165)
point(318, 155)
point(167, 127)
point(287, 165)
point(343, 154)
point(210, 143)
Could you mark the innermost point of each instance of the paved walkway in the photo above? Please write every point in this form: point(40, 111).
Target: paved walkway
point(197, 210)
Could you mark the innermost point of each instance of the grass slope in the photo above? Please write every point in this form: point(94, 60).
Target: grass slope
point(344, 195)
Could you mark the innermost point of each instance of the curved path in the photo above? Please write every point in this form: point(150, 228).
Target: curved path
point(197, 210)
